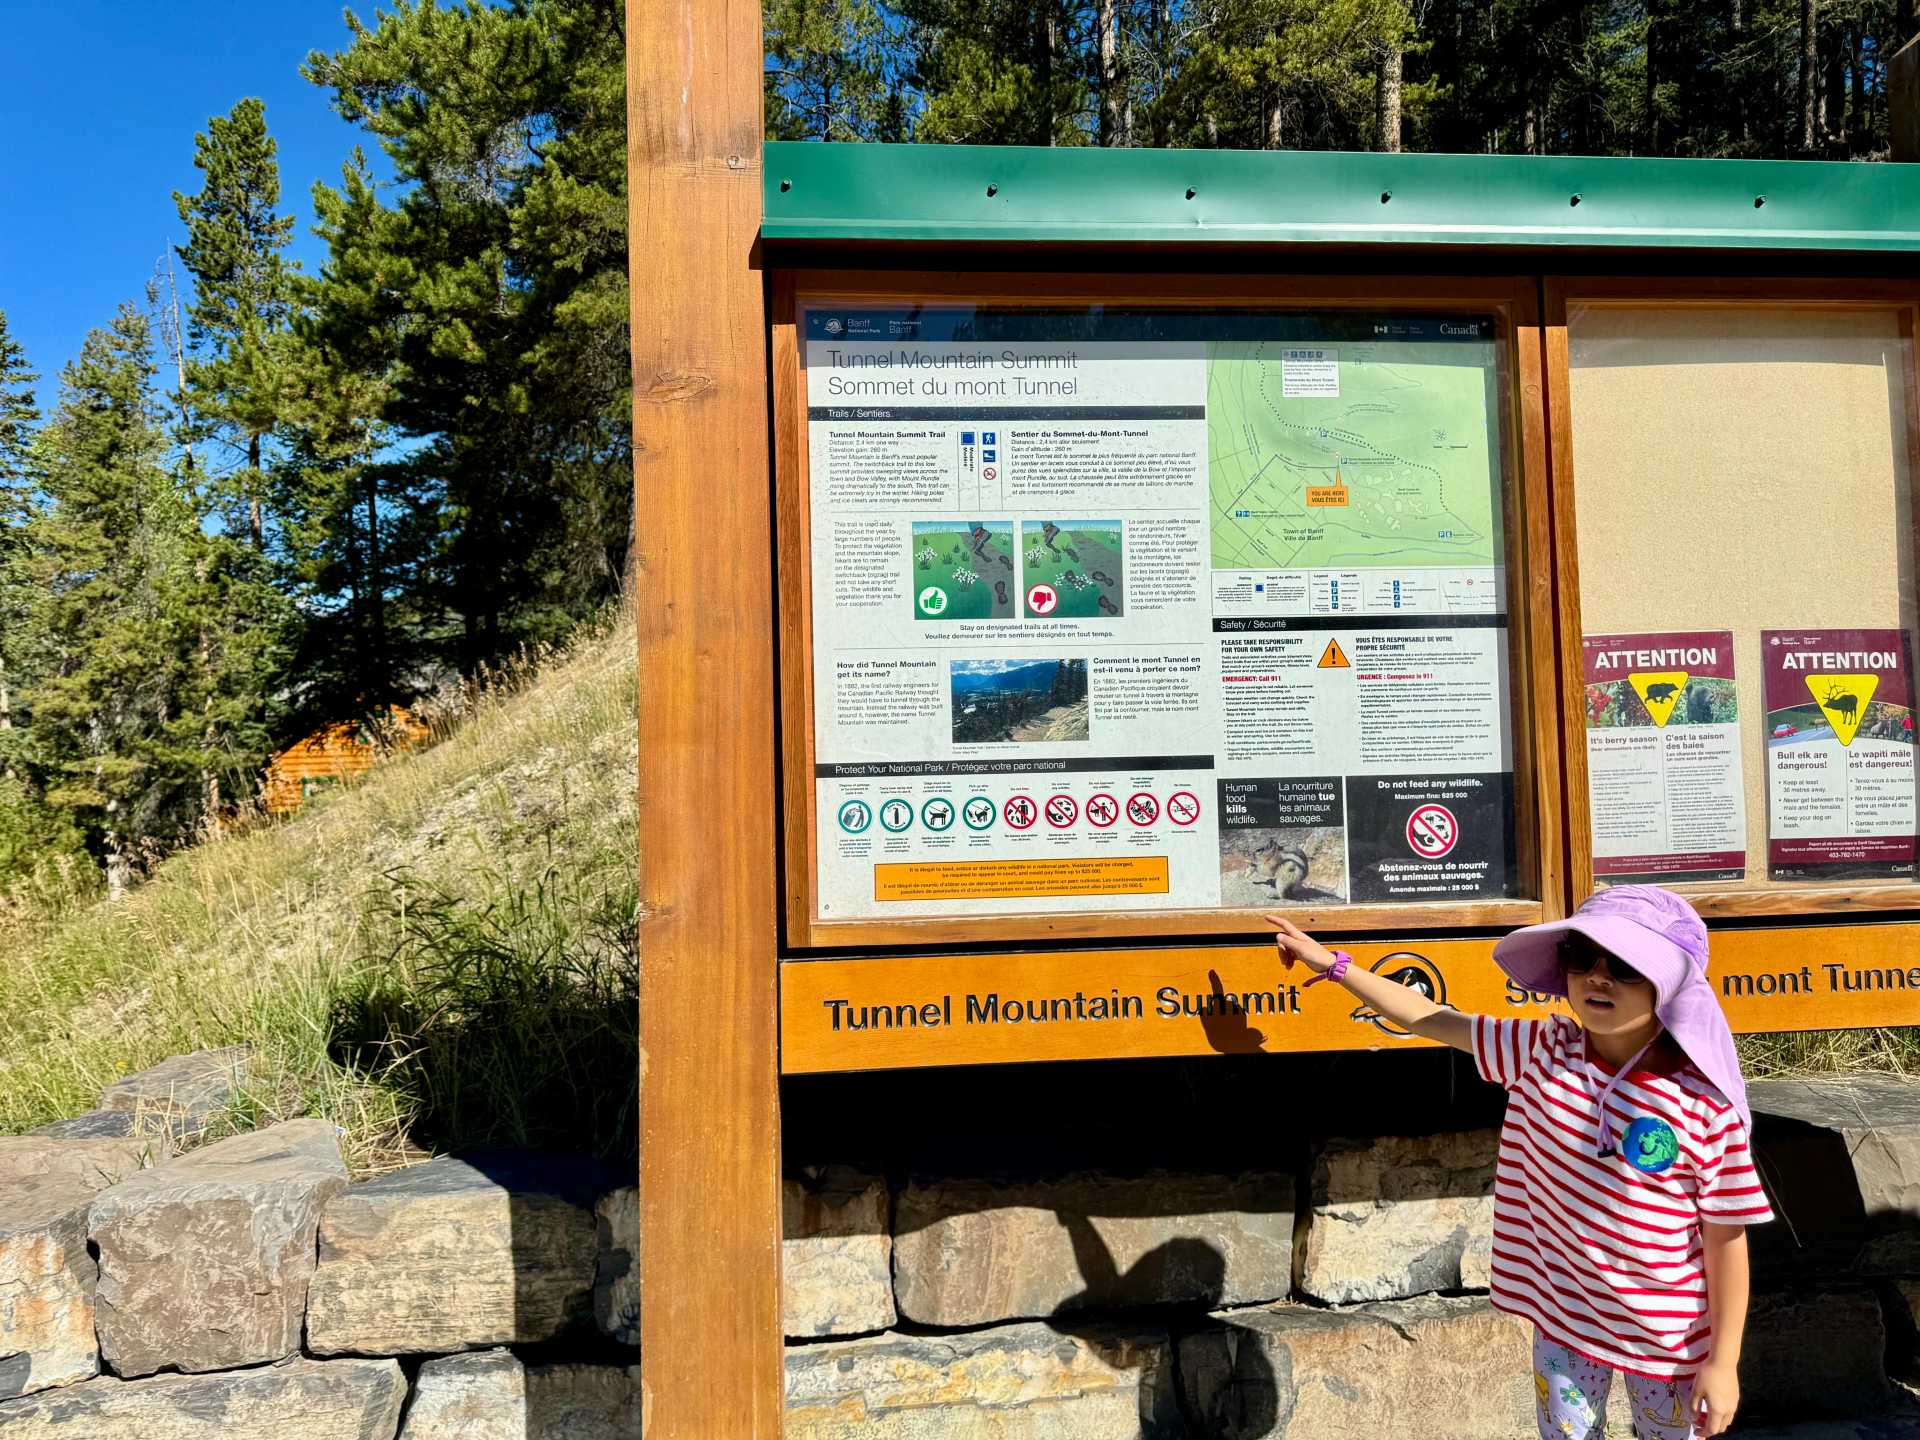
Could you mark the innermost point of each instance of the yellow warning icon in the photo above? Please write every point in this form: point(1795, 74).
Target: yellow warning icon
point(1659, 691)
point(1334, 658)
point(1843, 700)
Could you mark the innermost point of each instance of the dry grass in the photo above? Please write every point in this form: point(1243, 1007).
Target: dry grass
point(1830, 1052)
point(272, 933)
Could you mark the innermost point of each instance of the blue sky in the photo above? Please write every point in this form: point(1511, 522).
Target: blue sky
point(102, 99)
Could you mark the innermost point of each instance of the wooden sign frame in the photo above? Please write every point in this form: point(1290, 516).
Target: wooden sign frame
point(926, 1002)
point(1535, 721)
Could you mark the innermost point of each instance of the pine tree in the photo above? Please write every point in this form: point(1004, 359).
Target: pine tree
point(30, 833)
point(361, 520)
point(498, 277)
point(242, 303)
point(112, 555)
point(18, 416)
point(824, 78)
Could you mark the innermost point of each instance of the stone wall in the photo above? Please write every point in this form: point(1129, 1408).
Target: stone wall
point(157, 1288)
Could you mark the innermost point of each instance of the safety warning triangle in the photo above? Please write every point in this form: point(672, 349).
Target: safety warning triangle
point(1334, 658)
point(1843, 700)
point(1659, 691)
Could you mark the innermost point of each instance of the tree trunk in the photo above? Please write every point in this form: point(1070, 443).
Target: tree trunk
point(1652, 84)
point(376, 588)
point(177, 346)
point(119, 863)
point(1212, 123)
point(1387, 97)
point(1809, 63)
point(1049, 47)
point(119, 868)
point(209, 782)
point(209, 736)
point(1860, 120)
point(1112, 99)
point(253, 493)
point(1902, 25)
point(1737, 92)
point(6, 718)
point(1833, 91)
point(1276, 133)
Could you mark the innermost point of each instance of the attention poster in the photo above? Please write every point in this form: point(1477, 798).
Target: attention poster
point(1663, 757)
point(1840, 773)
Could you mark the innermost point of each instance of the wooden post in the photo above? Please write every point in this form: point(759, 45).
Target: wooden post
point(710, 1331)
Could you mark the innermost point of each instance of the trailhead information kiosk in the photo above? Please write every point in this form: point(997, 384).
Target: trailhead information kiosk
point(1054, 559)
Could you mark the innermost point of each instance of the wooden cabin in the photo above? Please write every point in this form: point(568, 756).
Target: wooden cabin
point(333, 755)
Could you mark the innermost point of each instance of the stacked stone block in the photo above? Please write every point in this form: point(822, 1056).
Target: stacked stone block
point(245, 1289)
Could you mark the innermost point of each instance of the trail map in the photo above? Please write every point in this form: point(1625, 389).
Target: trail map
point(1352, 456)
point(1167, 609)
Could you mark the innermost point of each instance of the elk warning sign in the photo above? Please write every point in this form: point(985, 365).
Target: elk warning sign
point(1843, 700)
point(1840, 761)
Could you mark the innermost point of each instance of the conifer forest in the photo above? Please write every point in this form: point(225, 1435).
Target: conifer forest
point(266, 497)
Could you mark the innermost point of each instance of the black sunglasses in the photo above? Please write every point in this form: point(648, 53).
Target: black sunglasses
point(1580, 956)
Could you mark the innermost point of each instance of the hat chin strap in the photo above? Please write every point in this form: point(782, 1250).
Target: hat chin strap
point(1606, 1093)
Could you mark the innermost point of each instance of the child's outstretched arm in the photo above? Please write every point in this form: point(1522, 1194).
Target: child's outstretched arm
point(1716, 1389)
point(1406, 1008)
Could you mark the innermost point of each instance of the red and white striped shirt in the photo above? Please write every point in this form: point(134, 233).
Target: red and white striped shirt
point(1604, 1255)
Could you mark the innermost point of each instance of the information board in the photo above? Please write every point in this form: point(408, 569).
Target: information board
point(1131, 610)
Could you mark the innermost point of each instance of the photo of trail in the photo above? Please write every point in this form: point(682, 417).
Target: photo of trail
point(1080, 560)
point(962, 570)
point(1019, 700)
point(1286, 866)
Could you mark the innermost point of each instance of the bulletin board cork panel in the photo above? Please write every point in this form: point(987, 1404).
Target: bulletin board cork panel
point(1743, 468)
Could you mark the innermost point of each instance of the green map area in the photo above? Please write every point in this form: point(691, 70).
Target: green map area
point(1394, 471)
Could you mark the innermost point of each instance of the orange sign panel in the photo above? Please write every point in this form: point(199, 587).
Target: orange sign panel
point(1018, 879)
point(898, 1012)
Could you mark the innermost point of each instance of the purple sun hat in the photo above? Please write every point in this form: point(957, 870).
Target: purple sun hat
point(1663, 937)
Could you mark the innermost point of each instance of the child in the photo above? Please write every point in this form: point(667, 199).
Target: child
point(1624, 1183)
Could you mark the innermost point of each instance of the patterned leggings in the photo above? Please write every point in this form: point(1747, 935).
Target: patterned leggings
point(1572, 1395)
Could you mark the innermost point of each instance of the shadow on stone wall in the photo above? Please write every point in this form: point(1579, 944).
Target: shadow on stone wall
point(1185, 1265)
point(1221, 1113)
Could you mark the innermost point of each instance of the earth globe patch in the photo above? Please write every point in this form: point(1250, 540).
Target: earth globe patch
point(1651, 1145)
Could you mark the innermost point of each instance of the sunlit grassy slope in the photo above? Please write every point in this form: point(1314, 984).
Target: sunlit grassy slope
point(442, 954)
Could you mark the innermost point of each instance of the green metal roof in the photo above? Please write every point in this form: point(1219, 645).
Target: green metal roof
point(1022, 194)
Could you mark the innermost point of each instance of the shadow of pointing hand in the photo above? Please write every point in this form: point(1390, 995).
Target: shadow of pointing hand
point(1187, 1277)
point(1225, 1022)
